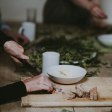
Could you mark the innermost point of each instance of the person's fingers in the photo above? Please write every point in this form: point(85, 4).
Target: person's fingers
point(51, 88)
point(100, 13)
point(48, 82)
point(38, 83)
point(97, 12)
point(15, 59)
point(45, 83)
point(13, 45)
point(20, 48)
point(15, 50)
point(22, 56)
point(45, 87)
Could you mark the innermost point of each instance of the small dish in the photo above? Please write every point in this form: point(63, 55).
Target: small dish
point(66, 74)
point(105, 39)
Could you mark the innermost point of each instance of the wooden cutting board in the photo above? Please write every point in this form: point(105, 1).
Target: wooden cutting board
point(104, 87)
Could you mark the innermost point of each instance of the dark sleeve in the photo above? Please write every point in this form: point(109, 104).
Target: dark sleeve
point(3, 38)
point(12, 92)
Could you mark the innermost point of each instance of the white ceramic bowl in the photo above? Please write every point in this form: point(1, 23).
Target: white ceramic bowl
point(66, 74)
point(105, 39)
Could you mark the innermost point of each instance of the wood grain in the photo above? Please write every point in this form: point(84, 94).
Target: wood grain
point(58, 100)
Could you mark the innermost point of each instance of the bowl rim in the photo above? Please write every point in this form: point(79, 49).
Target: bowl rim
point(67, 77)
point(104, 36)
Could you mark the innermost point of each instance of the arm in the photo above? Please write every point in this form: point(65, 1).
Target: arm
point(19, 89)
point(12, 92)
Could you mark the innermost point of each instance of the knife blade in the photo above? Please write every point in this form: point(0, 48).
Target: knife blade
point(30, 68)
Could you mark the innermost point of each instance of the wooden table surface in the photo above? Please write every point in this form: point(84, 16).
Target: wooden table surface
point(16, 107)
point(8, 69)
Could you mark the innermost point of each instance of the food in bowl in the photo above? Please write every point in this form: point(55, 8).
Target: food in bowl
point(105, 39)
point(66, 74)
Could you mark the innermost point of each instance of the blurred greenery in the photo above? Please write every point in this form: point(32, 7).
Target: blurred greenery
point(74, 51)
point(76, 46)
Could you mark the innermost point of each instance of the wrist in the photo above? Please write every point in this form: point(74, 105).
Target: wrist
point(28, 84)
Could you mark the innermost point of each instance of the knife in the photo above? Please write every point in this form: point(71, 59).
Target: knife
point(30, 68)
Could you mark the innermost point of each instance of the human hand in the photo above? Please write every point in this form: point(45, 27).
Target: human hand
point(97, 12)
point(21, 39)
point(37, 83)
point(15, 50)
point(93, 6)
